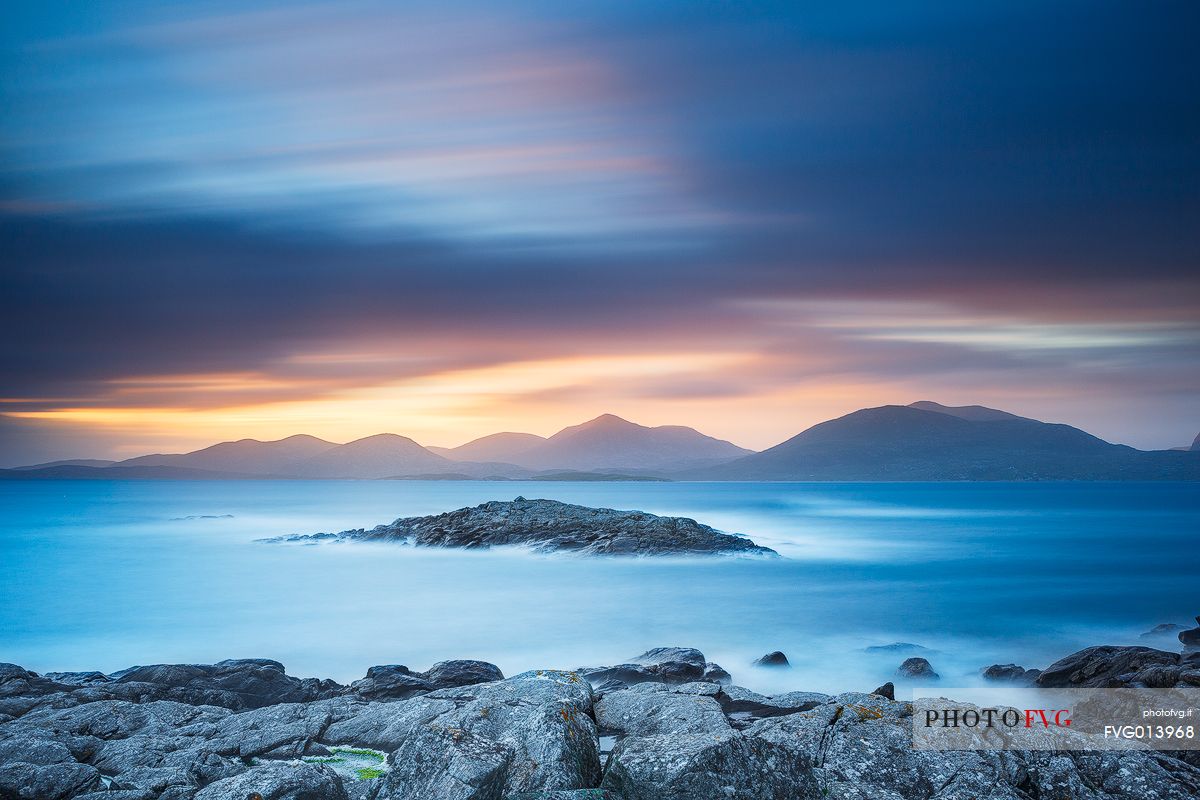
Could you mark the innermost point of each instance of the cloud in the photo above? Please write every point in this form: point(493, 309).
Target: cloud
point(208, 208)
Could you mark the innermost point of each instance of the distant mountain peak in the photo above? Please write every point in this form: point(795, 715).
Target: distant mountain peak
point(971, 413)
point(608, 421)
point(1196, 443)
point(381, 438)
point(930, 442)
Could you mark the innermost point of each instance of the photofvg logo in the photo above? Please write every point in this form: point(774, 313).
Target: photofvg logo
point(973, 718)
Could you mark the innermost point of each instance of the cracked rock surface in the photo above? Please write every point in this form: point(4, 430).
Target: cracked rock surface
point(676, 735)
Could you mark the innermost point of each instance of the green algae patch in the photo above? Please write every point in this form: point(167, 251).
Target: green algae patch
point(359, 763)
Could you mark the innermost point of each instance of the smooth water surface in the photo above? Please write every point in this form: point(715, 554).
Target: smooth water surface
point(103, 575)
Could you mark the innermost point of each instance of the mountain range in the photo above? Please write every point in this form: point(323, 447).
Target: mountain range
point(924, 441)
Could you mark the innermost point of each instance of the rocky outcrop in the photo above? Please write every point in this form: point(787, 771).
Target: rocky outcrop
point(1190, 638)
point(237, 684)
point(548, 526)
point(398, 682)
point(1112, 667)
point(534, 736)
point(662, 665)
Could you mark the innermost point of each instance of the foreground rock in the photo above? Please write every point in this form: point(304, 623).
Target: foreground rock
point(548, 526)
point(534, 736)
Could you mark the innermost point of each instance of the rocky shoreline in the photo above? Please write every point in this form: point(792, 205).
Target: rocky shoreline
point(549, 526)
point(665, 725)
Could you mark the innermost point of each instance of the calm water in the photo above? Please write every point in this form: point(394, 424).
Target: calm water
point(102, 575)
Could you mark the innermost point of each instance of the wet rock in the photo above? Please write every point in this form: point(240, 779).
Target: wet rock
point(661, 665)
point(446, 674)
point(1190, 638)
point(550, 526)
point(895, 648)
point(278, 781)
point(398, 682)
point(714, 673)
point(743, 707)
point(1010, 673)
point(235, 684)
point(917, 668)
point(772, 659)
point(1108, 666)
point(391, 682)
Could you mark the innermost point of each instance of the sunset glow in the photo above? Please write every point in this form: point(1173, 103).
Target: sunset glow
point(347, 218)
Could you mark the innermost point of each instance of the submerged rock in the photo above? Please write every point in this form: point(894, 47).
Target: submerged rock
point(895, 647)
point(917, 668)
point(773, 659)
point(549, 526)
point(1010, 673)
point(1163, 630)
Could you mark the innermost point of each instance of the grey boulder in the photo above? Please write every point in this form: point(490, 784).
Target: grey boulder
point(398, 682)
point(287, 780)
point(442, 763)
point(660, 665)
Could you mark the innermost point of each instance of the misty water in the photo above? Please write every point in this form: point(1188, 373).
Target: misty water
point(103, 575)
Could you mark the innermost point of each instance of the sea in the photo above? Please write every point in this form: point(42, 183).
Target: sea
point(108, 574)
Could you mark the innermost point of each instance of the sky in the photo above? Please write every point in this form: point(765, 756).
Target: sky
point(449, 219)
